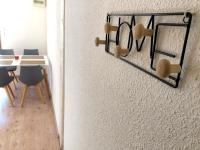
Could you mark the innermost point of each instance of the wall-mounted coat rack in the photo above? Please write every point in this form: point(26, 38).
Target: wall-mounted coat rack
point(137, 31)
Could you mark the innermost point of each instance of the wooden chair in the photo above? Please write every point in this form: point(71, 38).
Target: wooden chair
point(31, 76)
point(36, 52)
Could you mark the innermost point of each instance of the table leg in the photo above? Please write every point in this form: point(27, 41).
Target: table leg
point(47, 83)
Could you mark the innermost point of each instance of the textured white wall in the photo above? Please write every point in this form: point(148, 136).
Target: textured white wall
point(22, 25)
point(113, 106)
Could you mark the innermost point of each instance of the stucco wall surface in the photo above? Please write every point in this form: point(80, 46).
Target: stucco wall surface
point(113, 106)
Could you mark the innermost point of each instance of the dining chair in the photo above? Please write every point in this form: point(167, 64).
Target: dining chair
point(36, 52)
point(5, 80)
point(31, 52)
point(11, 69)
point(31, 76)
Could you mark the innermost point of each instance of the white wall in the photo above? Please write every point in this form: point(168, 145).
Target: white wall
point(113, 106)
point(22, 25)
point(55, 54)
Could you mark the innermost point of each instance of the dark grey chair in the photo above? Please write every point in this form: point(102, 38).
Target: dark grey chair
point(11, 69)
point(6, 52)
point(31, 52)
point(5, 80)
point(31, 76)
point(36, 52)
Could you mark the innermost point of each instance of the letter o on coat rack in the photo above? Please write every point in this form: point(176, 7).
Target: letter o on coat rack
point(130, 39)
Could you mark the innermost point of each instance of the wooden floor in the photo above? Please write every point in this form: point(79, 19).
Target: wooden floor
point(29, 128)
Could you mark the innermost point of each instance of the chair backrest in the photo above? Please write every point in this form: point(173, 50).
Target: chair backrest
point(31, 52)
point(6, 52)
point(30, 75)
point(5, 79)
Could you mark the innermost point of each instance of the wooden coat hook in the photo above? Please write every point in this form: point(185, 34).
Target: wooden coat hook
point(164, 68)
point(109, 28)
point(120, 52)
point(98, 41)
point(139, 31)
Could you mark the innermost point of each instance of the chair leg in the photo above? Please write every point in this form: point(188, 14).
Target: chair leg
point(11, 91)
point(14, 84)
point(40, 86)
point(14, 75)
point(24, 94)
point(47, 83)
point(10, 97)
point(39, 92)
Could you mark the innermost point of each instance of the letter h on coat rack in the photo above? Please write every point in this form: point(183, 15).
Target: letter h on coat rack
point(137, 31)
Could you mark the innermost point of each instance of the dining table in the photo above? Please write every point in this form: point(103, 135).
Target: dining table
point(24, 60)
point(27, 60)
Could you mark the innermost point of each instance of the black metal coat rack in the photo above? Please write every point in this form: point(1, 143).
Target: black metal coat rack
point(186, 23)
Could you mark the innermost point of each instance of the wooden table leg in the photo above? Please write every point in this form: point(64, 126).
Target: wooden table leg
point(39, 92)
point(47, 83)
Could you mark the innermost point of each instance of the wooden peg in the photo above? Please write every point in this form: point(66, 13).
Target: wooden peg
point(120, 52)
point(98, 41)
point(109, 28)
point(139, 31)
point(164, 68)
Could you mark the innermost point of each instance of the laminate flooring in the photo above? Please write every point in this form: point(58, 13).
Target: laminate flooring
point(31, 127)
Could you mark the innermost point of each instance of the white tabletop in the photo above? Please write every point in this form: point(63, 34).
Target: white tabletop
point(24, 60)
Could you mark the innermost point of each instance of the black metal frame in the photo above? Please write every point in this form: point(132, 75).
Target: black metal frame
point(172, 81)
